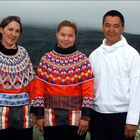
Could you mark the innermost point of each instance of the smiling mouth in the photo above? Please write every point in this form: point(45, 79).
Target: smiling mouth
point(12, 39)
point(111, 35)
point(66, 44)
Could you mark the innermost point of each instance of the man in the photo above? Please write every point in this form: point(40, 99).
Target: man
point(116, 67)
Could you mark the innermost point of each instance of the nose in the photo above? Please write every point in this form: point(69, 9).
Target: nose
point(111, 28)
point(66, 37)
point(14, 33)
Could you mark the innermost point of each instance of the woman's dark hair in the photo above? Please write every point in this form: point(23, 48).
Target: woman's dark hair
point(67, 23)
point(114, 13)
point(9, 19)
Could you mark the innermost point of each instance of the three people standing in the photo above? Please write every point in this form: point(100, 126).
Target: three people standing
point(62, 95)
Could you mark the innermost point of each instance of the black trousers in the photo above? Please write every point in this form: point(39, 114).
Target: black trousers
point(62, 133)
point(16, 134)
point(107, 126)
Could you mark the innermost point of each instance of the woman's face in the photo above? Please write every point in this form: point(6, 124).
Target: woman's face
point(66, 37)
point(10, 34)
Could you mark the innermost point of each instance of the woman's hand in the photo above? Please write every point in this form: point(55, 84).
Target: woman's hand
point(83, 127)
point(32, 119)
point(40, 124)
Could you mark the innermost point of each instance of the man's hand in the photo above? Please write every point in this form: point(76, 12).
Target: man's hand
point(130, 130)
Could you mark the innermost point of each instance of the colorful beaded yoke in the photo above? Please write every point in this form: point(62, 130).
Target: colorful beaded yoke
point(61, 69)
point(16, 71)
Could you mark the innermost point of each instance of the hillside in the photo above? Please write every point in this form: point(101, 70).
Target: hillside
point(38, 41)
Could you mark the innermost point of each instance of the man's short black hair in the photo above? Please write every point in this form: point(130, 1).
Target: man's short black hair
point(114, 13)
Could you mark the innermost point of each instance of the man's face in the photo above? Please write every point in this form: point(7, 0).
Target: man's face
point(112, 29)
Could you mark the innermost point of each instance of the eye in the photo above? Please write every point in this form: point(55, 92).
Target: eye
point(116, 26)
point(107, 25)
point(62, 34)
point(17, 31)
point(10, 29)
point(70, 35)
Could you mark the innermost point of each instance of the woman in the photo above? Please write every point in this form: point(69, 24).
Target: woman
point(63, 89)
point(16, 79)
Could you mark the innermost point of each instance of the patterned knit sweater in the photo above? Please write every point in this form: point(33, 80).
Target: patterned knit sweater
point(64, 87)
point(16, 75)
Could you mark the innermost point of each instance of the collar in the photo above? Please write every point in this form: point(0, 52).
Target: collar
point(116, 45)
point(8, 51)
point(69, 50)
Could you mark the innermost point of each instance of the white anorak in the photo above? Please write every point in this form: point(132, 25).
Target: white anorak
point(117, 79)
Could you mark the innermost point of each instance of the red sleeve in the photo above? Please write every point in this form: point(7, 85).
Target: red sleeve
point(88, 93)
point(37, 93)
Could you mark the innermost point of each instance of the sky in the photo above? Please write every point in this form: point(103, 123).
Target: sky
point(86, 14)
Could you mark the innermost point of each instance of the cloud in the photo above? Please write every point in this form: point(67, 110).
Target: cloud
point(87, 14)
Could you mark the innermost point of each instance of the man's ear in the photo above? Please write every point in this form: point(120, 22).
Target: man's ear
point(123, 28)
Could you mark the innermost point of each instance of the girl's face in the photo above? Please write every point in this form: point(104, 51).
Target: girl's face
point(10, 34)
point(66, 37)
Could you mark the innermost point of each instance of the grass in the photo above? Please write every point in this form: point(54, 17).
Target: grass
point(37, 135)
point(137, 137)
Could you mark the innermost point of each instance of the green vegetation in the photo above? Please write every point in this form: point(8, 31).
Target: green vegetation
point(137, 137)
point(37, 135)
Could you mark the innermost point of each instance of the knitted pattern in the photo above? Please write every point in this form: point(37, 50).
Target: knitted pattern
point(14, 99)
point(16, 71)
point(64, 85)
point(61, 69)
